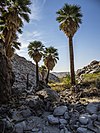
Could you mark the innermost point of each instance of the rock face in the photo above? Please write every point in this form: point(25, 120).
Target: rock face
point(6, 78)
point(24, 69)
point(93, 67)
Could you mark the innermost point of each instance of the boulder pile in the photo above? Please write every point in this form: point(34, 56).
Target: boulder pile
point(42, 110)
point(34, 117)
point(93, 67)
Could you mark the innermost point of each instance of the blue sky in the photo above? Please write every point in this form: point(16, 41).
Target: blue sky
point(44, 27)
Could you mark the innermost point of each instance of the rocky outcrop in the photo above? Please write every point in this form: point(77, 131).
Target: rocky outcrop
point(93, 67)
point(6, 78)
point(25, 70)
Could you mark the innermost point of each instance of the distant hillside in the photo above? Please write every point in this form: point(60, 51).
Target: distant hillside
point(60, 74)
point(22, 67)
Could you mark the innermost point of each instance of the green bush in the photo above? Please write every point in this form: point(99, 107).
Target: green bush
point(66, 80)
point(91, 76)
point(91, 79)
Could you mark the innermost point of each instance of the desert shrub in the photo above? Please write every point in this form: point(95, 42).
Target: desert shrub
point(58, 88)
point(52, 82)
point(91, 77)
point(66, 80)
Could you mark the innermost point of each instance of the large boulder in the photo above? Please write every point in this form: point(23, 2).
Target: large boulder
point(93, 108)
point(59, 111)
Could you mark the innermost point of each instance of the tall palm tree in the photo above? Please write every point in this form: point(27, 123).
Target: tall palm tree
point(12, 47)
point(13, 13)
point(69, 18)
point(35, 51)
point(50, 59)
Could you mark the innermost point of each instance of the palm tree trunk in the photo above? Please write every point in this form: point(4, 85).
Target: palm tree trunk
point(37, 74)
point(71, 61)
point(47, 76)
point(6, 78)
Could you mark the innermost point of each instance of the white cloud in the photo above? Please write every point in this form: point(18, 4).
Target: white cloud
point(36, 7)
point(27, 37)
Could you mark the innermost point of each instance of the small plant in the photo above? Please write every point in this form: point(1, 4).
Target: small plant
point(91, 77)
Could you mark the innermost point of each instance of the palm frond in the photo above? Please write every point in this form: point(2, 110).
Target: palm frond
point(69, 18)
point(25, 17)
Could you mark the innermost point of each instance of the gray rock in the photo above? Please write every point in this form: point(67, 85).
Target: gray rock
point(62, 126)
point(26, 113)
point(94, 126)
point(52, 119)
point(20, 127)
point(94, 117)
point(63, 121)
point(84, 119)
point(16, 116)
point(59, 111)
point(88, 131)
point(65, 130)
point(99, 117)
point(62, 131)
point(81, 130)
point(92, 108)
point(51, 129)
point(35, 130)
point(53, 95)
point(66, 115)
point(40, 131)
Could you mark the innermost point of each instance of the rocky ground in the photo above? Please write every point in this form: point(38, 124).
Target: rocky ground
point(46, 111)
point(43, 110)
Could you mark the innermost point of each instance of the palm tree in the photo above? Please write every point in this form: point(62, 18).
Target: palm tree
point(13, 13)
point(35, 50)
point(12, 47)
point(43, 71)
point(69, 18)
point(50, 59)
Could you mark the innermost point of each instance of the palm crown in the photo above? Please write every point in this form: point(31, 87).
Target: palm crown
point(13, 13)
point(69, 18)
point(35, 49)
point(50, 57)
